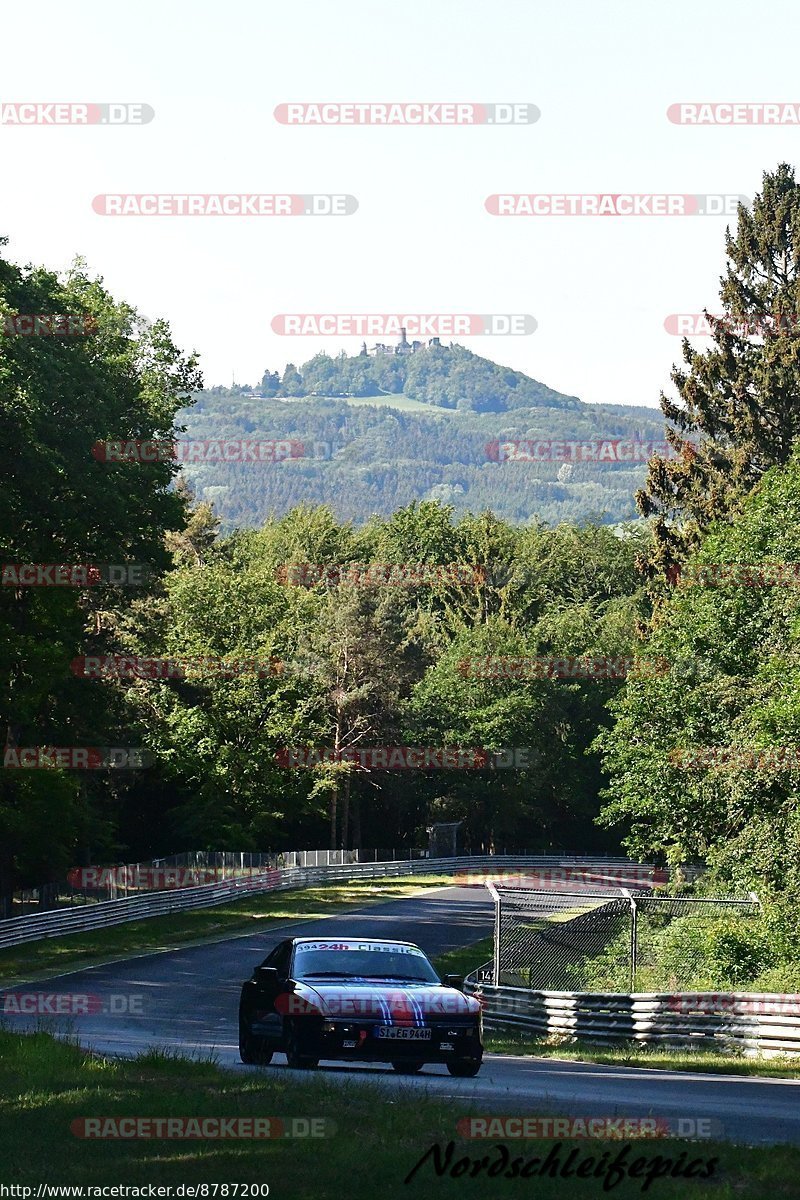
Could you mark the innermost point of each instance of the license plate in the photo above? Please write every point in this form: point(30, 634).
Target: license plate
point(403, 1034)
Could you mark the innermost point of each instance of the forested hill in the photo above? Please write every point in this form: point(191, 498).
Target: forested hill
point(444, 376)
point(380, 432)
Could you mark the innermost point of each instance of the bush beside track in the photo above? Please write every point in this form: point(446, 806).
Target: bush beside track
point(465, 959)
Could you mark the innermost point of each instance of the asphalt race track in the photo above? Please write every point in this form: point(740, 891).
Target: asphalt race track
point(188, 999)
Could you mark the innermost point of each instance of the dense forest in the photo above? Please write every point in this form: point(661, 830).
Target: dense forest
point(380, 431)
point(443, 376)
point(373, 458)
point(689, 754)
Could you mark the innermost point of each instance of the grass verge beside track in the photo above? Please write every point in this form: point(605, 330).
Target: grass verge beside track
point(379, 1137)
point(710, 1062)
point(53, 956)
point(465, 959)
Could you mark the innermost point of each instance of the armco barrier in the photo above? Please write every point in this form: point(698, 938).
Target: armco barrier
point(60, 923)
point(765, 1024)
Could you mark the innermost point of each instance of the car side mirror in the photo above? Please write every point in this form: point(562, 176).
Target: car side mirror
point(454, 981)
point(267, 977)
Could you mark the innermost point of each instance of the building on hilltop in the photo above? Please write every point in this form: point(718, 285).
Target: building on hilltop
point(402, 347)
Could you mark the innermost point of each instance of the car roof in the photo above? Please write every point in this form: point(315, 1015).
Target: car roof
point(333, 938)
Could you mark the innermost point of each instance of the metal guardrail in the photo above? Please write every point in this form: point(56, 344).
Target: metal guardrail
point(115, 881)
point(61, 923)
point(764, 1024)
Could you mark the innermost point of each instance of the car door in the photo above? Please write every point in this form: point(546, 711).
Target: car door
point(266, 994)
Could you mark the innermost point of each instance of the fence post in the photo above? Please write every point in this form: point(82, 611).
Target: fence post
point(634, 937)
point(496, 949)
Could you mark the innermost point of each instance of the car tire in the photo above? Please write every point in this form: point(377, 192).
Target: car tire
point(252, 1050)
point(407, 1068)
point(464, 1068)
point(294, 1059)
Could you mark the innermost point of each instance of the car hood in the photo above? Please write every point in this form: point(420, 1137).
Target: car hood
point(395, 1003)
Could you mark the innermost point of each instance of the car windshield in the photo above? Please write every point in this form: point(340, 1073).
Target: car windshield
point(363, 962)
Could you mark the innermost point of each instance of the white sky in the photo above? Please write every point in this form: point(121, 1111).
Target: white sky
point(603, 76)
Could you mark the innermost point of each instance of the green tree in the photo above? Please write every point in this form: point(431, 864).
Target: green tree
point(270, 383)
point(363, 671)
point(59, 395)
point(726, 708)
point(738, 406)
point(291, 381)
point(216, 732)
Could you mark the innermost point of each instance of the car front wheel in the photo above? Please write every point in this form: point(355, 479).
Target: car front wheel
point(253, 1049)
point(295, 1058)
